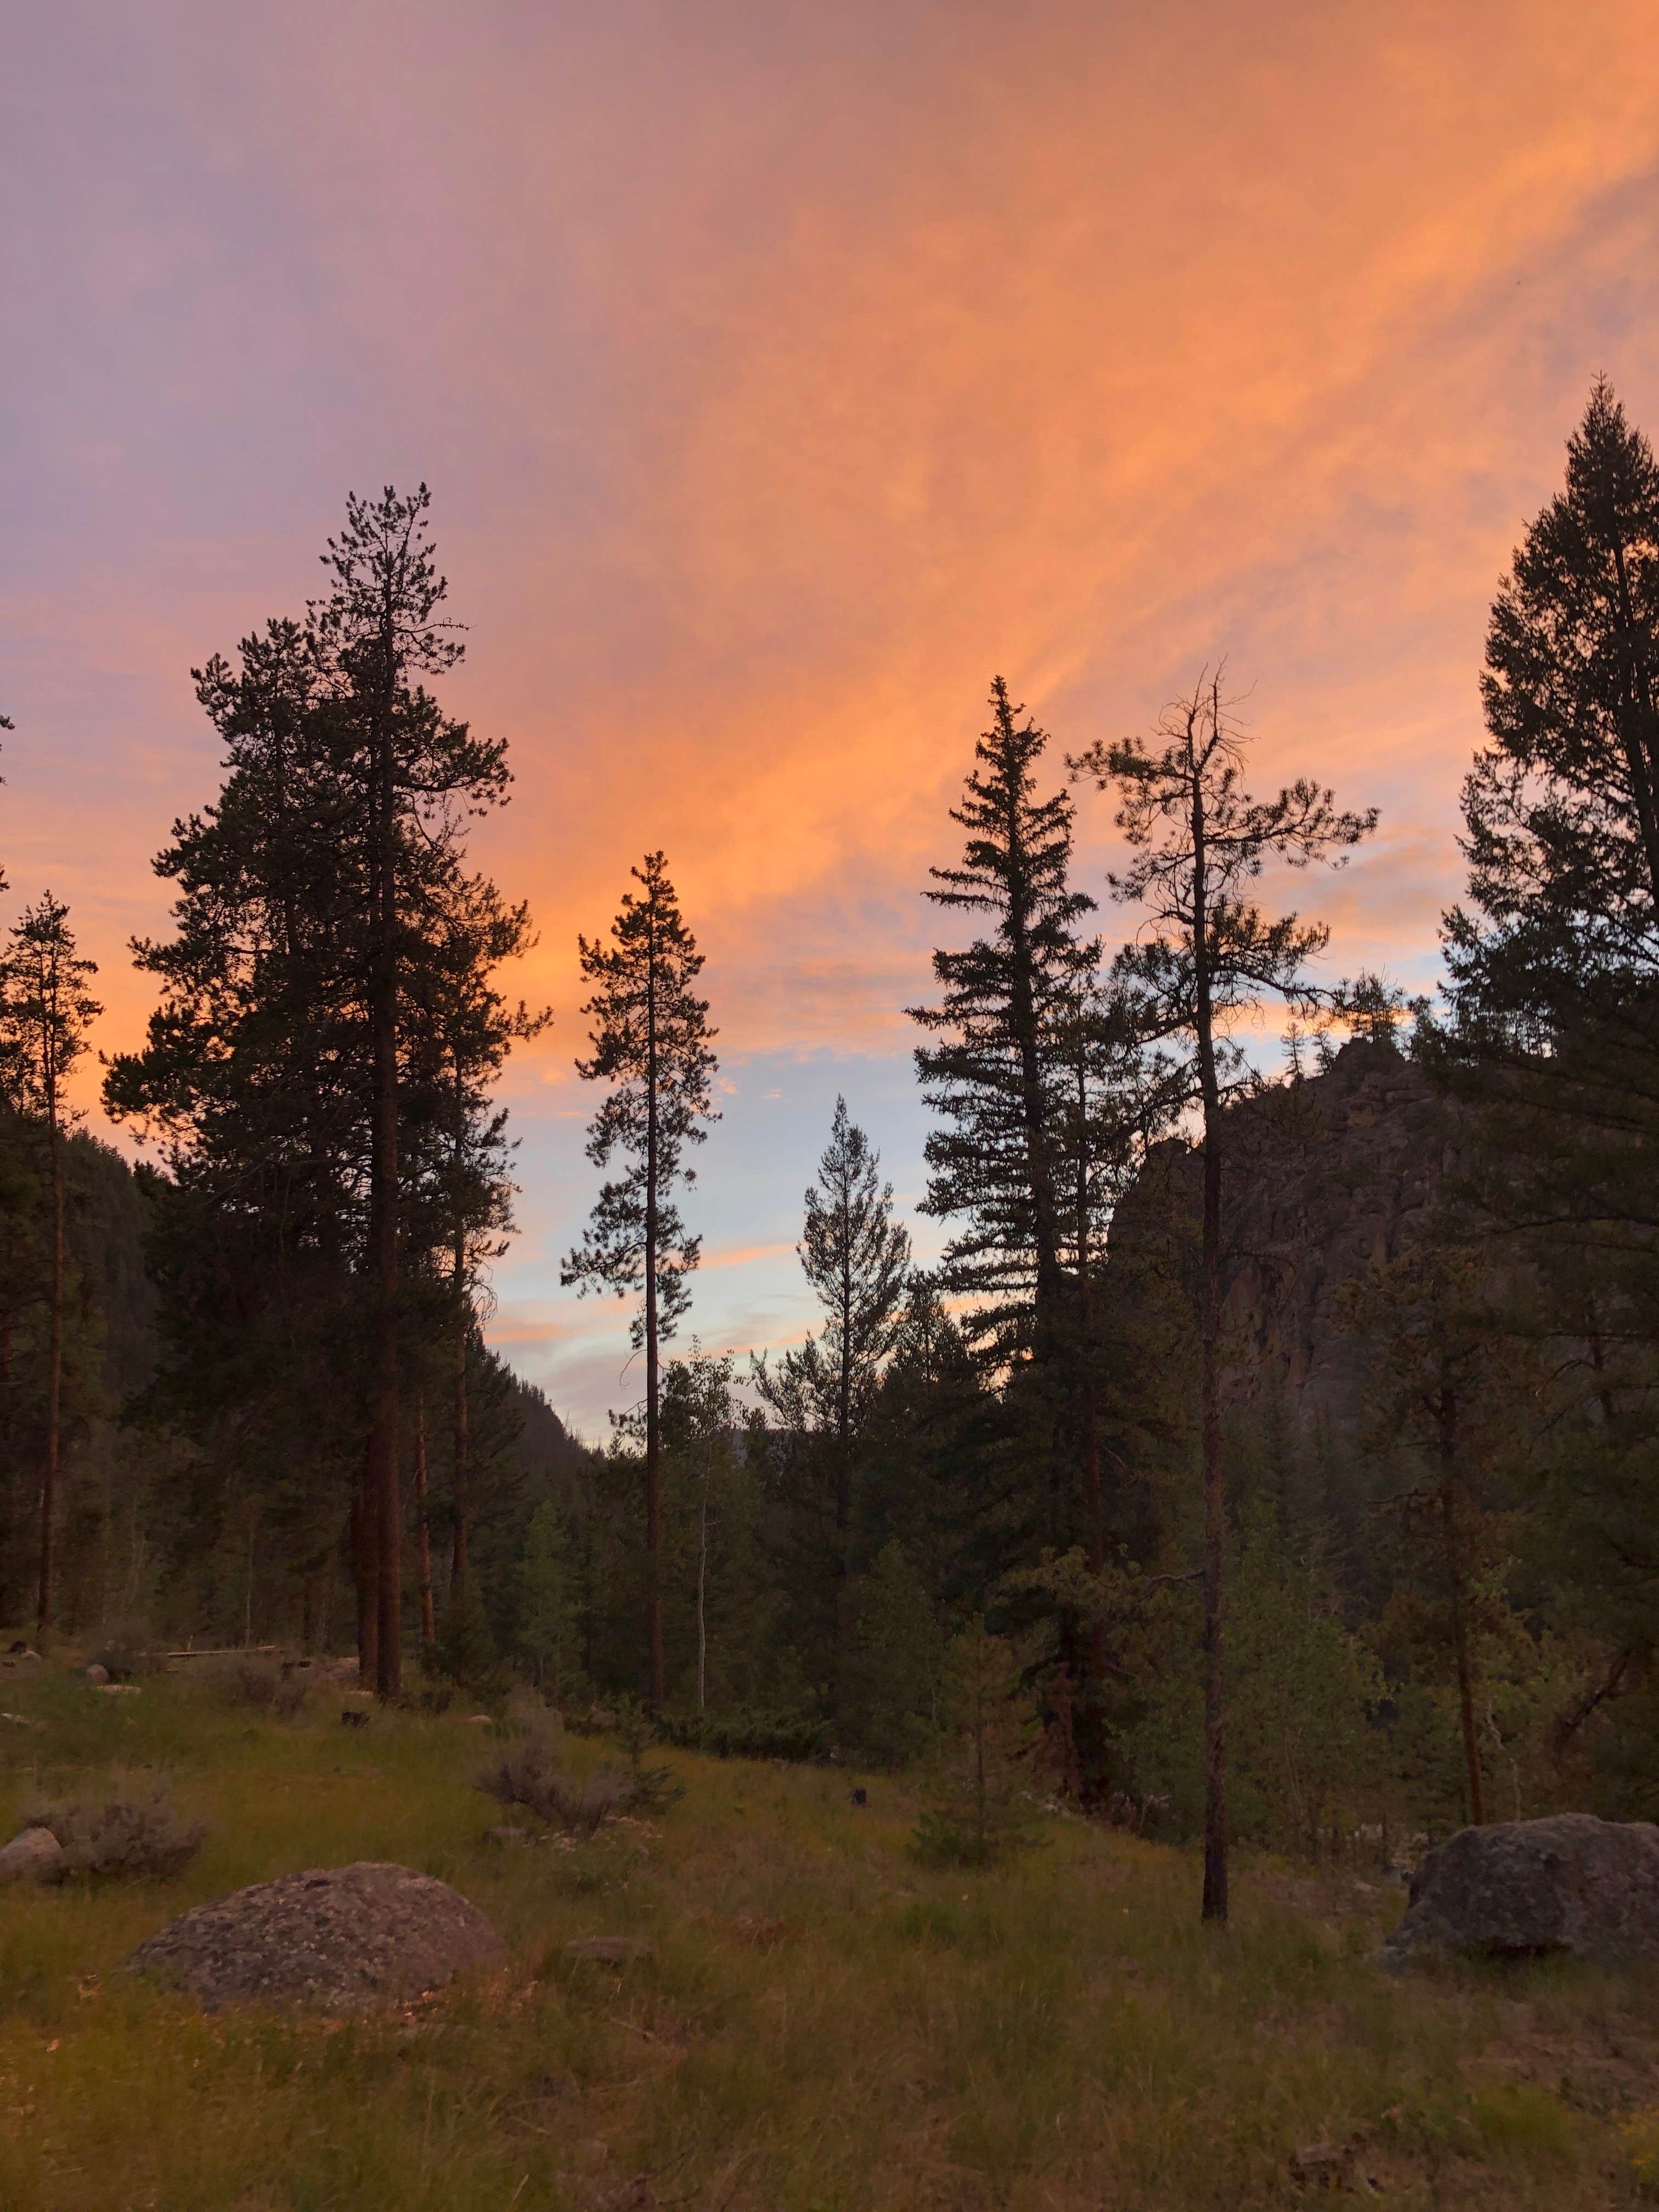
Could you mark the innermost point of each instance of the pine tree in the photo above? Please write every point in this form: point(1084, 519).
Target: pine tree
point(653, 1045)
point(1551, 1027)
point(412, 767)
point(997, 1081)
point(45, 1012)
point(981, 1801)
point(1203, 956)
point(1445, 1381)
point(857, 1259)
point(548, 1607)
point(1561, 806)
point(323, 894)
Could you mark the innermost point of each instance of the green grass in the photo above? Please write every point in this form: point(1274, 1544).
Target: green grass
point(826, 2026)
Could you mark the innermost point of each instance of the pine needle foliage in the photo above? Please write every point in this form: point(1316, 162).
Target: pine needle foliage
point(982, 1806)
point(997, 1080)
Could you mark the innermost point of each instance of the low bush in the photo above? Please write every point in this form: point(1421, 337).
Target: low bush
point(266, 1686)
point(141, 1837)
point(126, 1651)
point(530, 1777)
point(746, 1734)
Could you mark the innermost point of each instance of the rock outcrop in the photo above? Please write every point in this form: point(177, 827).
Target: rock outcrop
point(1320, 1179)
point(1525, 1888)
point(334, 1939)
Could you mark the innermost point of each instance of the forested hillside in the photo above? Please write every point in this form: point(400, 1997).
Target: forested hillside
point(1272, 1446)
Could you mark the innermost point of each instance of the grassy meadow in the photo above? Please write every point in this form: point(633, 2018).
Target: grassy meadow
point(825, 2026)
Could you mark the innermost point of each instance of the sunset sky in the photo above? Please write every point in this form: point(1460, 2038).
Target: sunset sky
point(782, 372)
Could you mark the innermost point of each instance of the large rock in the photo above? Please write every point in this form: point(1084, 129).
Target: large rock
point(337, 1939)
point(30, 1857)
point(1521, 1889)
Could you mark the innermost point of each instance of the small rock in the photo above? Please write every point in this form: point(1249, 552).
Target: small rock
point(608, 1950)
point(117, 1689)
point(507, 1834)
point(479, 1720)
point(22, 1720)
point(97, 1674)
point(27, 1857)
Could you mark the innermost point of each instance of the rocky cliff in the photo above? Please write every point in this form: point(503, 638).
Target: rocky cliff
point(1320, 1178)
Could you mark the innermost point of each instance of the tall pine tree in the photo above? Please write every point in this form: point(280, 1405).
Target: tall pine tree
point(46, 1010)
point(653, 1045)
point(997, 1078)
point(1203, 956)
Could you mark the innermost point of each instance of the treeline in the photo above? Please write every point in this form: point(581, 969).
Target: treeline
point(1231, 1614)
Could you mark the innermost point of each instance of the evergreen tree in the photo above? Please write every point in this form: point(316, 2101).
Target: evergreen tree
point(997, 1080)
point(411, 769)
point(45, 1012)
point(1204, 956)
point(1444, 1385)
point(548, 1610)
point(890, 1682)
point(1561, 806)
point(1551, 1026)
point(653, 1045)
point(980, 1804)
point(857, 1259)
point(313, 1150)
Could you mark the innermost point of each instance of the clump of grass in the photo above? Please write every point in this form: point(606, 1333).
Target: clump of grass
point(137, 1837)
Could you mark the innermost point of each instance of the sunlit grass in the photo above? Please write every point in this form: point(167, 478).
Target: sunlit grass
point(825, 2026)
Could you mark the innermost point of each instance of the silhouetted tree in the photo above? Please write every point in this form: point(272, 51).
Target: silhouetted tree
point(1203, 956)
point(45, 1012)
point(653, 1045)
point(857, 1258)
point(998, 1079)
point(329, 1030)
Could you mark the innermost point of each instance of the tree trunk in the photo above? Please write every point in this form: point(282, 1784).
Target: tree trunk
point(1209, 1330)
point(461, 1485)
point(386, 1504)
point(429, 1626)
point(1447, 1415)
point(54, 1380)
point(652, 1406)
point(1215, 1538)
point(1639, 743)
point(703, 1585)
point(364, 1569)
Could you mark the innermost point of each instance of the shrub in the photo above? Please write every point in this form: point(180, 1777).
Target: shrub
point(266, 1686)
point(747, 1733)
point(135, 1837)
point(650, 1789)
point(125, 1651)
point(528, 1776)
